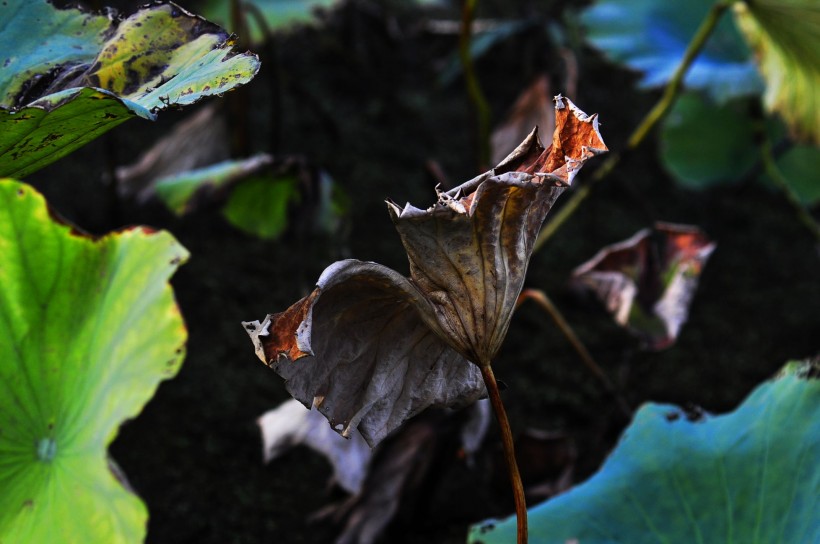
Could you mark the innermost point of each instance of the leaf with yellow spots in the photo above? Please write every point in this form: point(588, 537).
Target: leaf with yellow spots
point(69, 76)
point(88, 329)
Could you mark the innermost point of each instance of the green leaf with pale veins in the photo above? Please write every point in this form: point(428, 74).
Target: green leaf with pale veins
point(69, 76)
point(88, 329)
point(785, 36)
point(748, 476)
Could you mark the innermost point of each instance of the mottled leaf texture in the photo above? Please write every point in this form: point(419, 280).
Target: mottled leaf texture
point(88, 329)
point(69, 76)
point(371, 348)
point(749, 476)
point(785, 36)
point(647, 282)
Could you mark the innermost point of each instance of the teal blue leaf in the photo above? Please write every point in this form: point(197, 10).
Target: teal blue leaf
point(748, 477)
point(651, 36)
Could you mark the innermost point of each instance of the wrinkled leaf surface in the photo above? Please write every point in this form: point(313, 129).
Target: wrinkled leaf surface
point(69, 76)
point(88, 329)
point(747, 476)
point(358, 350)
point(651, 36)
point(648, 281)
point(370, 347)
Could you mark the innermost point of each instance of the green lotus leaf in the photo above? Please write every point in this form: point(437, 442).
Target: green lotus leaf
point(259, 205)
point(703, 143)
point(651, 36)
point(275, 14)
point(748, 476)
point(88, 329)
point(799, 166)
point(785, 36)
point(69, 76)
point(180, 190)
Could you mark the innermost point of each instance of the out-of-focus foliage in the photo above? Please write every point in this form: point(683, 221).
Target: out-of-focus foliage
point(651, 36)
point(703, 143)
point(276, 15)
point(785, 36)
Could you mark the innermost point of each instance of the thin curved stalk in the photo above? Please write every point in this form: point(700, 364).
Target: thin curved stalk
point(541, 298)
point(509, 452)
point(655, 115)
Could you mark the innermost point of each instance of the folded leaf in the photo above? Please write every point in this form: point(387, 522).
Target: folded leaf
point(469, 252)
point(647, 282)
point(88, 329)
point(358, 349)
point(69, 76)
point(748, 476)
point(371, 348)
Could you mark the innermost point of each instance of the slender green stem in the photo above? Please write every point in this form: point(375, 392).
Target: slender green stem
point(655, 115)
point(509, 452)
point(769, 164)
point(476, 95)
point(541, 298)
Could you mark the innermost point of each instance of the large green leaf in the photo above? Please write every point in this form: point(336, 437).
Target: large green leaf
point(703, 143)
point(69, 76)
point(785, 35)
point(88, 329)
point(651, 36)
point(749, 476)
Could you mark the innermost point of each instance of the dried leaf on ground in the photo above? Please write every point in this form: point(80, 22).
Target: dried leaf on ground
point(648, 281)
point(371, 348)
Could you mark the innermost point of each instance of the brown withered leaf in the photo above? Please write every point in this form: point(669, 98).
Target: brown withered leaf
point(370, 347)
point(358, 350)
point(647, 281)
point(469, 252)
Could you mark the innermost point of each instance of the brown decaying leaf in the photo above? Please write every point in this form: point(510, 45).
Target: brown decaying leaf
point(371, 348)
point(469, 252)
point(647, 281)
